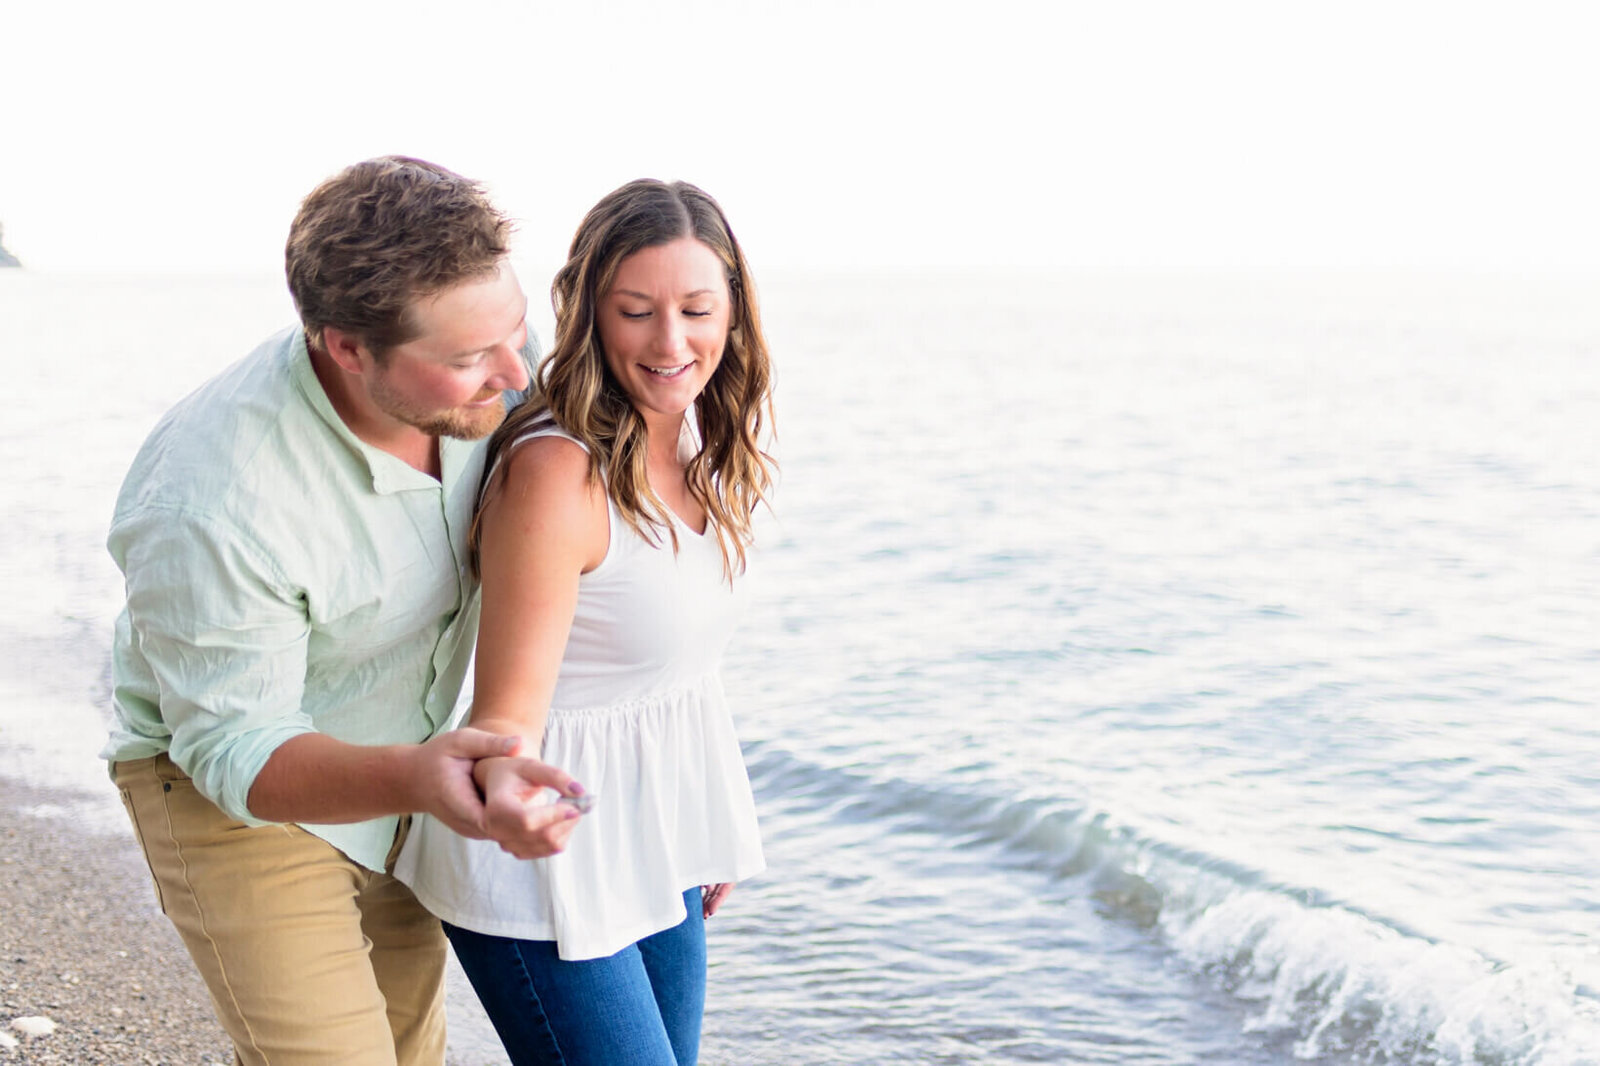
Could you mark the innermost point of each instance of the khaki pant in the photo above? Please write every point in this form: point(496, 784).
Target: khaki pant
point(311, 959)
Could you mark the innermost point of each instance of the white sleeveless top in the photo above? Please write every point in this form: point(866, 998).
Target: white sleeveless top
point(639, 718)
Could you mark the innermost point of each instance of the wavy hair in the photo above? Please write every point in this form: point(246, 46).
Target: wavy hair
point(730, 474)
point(380, 233)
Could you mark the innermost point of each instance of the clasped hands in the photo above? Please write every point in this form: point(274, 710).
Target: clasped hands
point(480, 785)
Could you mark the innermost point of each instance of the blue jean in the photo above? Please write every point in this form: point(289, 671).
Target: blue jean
point(639, 1007)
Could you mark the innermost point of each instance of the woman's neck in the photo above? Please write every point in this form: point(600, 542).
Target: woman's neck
point(663, 434)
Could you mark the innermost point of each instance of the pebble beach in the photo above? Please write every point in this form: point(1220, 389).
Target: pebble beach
point(90, 970)
point(92, 973)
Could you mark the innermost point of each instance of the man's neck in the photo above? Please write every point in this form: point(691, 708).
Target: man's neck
point(356, 410)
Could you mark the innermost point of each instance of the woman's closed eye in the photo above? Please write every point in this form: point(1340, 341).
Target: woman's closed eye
point(635, 316)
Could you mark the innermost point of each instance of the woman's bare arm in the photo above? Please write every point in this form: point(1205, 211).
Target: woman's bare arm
point(544, 526)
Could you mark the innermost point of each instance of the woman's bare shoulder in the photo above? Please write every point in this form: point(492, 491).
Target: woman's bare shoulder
point(544, 491)
point(549, 458)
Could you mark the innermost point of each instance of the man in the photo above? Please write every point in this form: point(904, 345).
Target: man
point(300, 616)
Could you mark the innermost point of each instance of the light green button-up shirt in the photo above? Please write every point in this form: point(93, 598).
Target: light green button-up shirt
point(284, 577)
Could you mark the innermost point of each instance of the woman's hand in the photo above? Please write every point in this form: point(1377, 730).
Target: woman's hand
point(712, 897)
point(520, 826)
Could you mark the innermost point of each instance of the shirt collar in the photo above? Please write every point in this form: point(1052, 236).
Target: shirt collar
point(389, 474)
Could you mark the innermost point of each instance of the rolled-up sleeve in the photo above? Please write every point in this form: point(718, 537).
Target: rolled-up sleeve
point(225, 636)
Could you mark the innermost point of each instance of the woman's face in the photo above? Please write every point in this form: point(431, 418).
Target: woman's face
point(664, 324)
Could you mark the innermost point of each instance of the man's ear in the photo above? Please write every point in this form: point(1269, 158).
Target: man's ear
point(346, 350)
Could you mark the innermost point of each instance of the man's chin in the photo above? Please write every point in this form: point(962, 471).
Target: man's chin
point(468, 423)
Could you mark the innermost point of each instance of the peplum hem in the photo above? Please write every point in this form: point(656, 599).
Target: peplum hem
point(668, 779)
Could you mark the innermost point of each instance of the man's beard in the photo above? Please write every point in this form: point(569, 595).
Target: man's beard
point(462, 423)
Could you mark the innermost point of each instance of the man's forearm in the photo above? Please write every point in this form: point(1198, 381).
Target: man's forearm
point(316, 779)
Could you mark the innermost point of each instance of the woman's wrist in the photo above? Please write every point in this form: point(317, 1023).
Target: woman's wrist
point(481, 769)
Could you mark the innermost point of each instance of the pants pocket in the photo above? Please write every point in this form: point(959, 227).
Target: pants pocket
point(138, 834)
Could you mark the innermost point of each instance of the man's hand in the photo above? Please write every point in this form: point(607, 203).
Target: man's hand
point(513, 819)
point(441, 775)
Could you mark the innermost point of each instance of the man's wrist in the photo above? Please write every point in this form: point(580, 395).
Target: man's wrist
point(402, 767)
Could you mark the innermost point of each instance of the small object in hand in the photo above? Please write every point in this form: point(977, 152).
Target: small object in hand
point(582, 803)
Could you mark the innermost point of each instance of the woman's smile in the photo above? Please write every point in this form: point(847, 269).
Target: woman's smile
point(663, 327)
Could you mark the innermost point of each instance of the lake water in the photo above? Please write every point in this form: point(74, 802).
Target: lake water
point(1144, 669)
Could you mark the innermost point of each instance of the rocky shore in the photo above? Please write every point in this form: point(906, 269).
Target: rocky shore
point(90, 971)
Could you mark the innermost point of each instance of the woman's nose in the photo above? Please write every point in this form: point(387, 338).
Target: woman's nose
point(670, 337)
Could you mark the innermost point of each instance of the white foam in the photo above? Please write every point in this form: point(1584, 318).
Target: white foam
point(1341, 982)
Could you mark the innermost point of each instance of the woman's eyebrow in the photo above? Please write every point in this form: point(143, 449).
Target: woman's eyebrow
point(646, 296)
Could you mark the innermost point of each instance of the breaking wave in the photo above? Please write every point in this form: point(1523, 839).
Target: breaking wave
point(1341, 986)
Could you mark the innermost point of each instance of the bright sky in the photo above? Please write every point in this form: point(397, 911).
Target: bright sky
point(852, 135)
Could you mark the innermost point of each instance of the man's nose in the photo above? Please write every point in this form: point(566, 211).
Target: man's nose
point(510, 369)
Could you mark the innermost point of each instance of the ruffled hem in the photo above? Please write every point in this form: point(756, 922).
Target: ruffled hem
point(673, 810)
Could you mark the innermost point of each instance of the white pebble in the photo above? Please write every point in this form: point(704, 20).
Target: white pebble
point(38, 1025)
point(7, 1040)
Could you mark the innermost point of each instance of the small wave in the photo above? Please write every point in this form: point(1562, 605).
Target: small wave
point(1351, 988)
point(1343, 987)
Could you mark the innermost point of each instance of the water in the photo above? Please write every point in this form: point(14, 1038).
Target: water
point(1146, 670)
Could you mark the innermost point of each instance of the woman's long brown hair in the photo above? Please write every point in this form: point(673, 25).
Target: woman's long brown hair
point(730, 474)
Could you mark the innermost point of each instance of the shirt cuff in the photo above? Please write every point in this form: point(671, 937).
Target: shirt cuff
point(225, 771)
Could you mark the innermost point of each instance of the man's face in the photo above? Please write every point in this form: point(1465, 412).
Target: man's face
point(448, 381)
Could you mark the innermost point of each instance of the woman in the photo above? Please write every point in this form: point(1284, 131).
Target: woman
point(612, 539)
